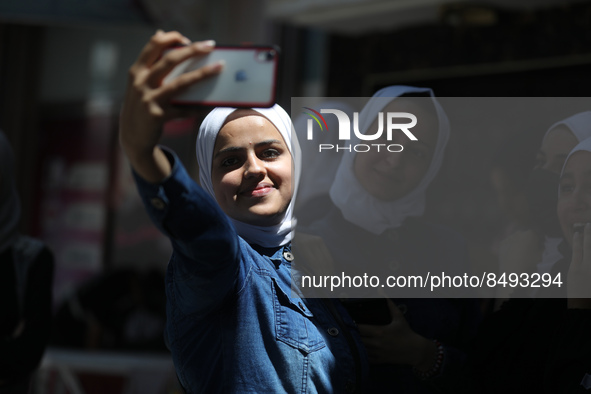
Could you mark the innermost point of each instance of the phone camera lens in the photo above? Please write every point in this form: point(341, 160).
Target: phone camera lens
point(266, 56)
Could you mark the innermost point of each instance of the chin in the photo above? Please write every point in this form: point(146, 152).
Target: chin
point(263, 219)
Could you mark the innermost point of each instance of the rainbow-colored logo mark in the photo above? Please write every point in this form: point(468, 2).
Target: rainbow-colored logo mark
point(316, 118)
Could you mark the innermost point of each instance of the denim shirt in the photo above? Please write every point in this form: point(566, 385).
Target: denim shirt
point(233, 324)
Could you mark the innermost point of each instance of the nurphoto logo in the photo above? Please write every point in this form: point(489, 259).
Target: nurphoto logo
point(344, 132)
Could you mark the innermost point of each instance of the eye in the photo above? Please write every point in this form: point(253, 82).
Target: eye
point(270, 153)
point(229, 161)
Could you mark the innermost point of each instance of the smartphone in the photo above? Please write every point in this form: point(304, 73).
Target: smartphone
point(372, 311)
point(248, 80)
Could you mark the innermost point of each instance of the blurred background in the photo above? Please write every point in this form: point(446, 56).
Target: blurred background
point(63, 71)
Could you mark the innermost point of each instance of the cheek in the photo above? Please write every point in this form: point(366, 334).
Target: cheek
point(286, 175)
point(288, 191)
point(224, 186)
point(364, 163)
point(562, 210)
point(281, 173)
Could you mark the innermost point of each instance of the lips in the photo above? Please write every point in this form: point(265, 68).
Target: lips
point(259, 190)
point(388, 176)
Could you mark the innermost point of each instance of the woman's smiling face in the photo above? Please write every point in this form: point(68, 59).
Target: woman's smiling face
point(574, 199)
point(391, 175)
point(252, 169)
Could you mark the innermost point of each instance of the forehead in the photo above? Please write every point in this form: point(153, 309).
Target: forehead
point(559, 140)
point(579, 164)
point(427, 127)
point(243, 126)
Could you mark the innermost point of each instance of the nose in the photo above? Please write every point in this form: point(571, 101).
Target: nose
point(253, 167)
point(393, 159)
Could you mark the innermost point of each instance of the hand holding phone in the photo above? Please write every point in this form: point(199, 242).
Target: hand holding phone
point(147, 102)
point(249, 78)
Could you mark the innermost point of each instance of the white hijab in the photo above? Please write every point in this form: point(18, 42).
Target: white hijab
point(10, 207)
point(579, 124)
point(319, 169)
point(271, 236)
point(360, 207)
point(584, 145)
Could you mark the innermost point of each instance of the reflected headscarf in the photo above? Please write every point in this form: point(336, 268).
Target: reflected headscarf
point(10, 207)
point(266, 236)
point(580, 125)
point(360, 207)
point(584, 145)
point(319, 170)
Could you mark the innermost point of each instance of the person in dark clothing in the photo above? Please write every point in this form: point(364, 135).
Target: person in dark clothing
point(123, 309)
point(542, 345)
point(375, 226)
point(26, 272)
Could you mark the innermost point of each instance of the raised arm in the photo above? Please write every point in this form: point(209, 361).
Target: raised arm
point(147, 101)
point(204, 241)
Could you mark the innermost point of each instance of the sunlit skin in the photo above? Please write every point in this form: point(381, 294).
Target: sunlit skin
point(574, 199)
point(252, 170)
point(555, 149)
point(388, 175)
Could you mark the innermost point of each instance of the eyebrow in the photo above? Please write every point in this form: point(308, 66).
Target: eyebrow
point(231, 149)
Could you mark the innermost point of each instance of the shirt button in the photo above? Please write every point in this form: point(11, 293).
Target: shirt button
point(333, 331)
point(350, 387)
point(301, 306)
point(157, 203)
point(288, 256)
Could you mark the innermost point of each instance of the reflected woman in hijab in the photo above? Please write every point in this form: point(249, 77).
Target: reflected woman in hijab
point(542, 345)
point(376, 225)
point(536, 249)
point(558, 141)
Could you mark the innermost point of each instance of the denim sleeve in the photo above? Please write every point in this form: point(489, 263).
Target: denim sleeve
point(206, 249)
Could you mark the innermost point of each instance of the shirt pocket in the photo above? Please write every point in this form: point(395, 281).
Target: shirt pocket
point(293, 322)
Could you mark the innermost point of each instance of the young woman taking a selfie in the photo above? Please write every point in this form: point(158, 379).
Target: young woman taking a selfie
point(233, 324)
